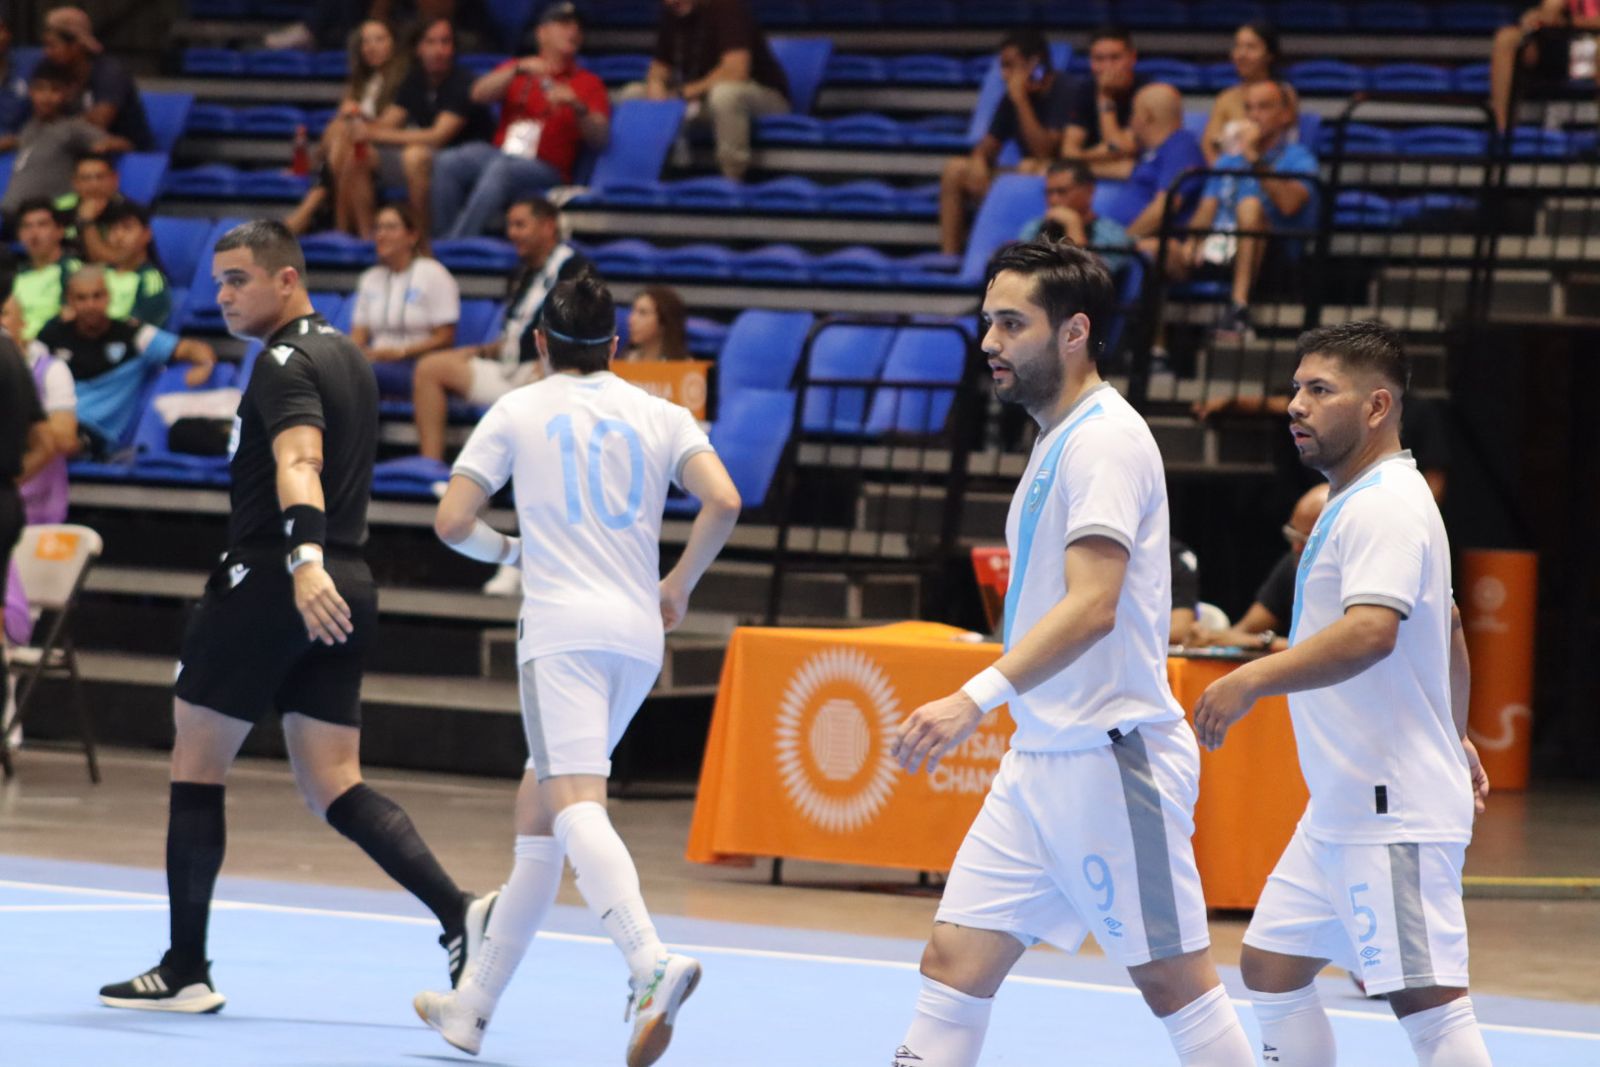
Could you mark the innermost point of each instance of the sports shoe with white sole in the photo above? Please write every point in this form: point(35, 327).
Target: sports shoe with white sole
point(654, 1006)
point(454, 1021)
point(164, 988)
point(464, 945)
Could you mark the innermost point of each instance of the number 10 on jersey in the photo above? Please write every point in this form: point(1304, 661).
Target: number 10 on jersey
point(561, 428)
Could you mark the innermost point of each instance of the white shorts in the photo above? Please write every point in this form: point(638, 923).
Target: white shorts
point(1390, 914)
point(1097, 840)
point(575, 706)
point(492, 379)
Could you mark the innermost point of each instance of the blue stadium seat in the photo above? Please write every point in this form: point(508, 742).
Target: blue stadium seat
point(920, 199)
point(317, 119)
point(1219, 76)
point(761, 351)
point(1411, 78)
point(1153, 14)
point(1532, 142)
point(168, 116)
point(1012, 200)
point(997, 13)
point(1130, 291)
point(705, 336)
point(1119, 201)
point(1394, 16)
point(791, 194)
point(855, 265)
point(857, 70)
point(713, 192)
point(331, 248)
point(861, 198)
point(409, 477)
point(1327, 76)
point(790, 130)
point(271, 120)
point(1357, 209)
point(1227, 14)
point(278, 63)
point(697, 262)
point(329, 305)
point(1313, 16)
point(919, 12)
point(844, 352)
point(476, 255)
point(141, 175)
point(629, 257)
point(1177, 73)
point(865, 129)
point(848, 12)
point(153, 459)
point(1309, 132)
point(642, 133)
point(1475, 18)
point(511, 17)
point(212, 119)
point(926, 69)
point(1360, 139)
point(782, 12)
point(211, 181)
point(181, 245)
point(1442, 141)
point(478, 64)
point(213, 62)
point(917, 356)
point(628, 194)
point(1079, 14)
point(928, 269)
point(804, 61)
point(479, 322)
point(273, 185)
point(781, 264)
point(1472, 78)
point(1411, 210)
point(333, 64)
point(619, 68)
point(751, 435)
point(938, 131)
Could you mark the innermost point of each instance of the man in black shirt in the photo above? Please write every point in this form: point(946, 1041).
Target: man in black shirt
point(714, 55)
point(1097, 128)
point(286, 618)
point(1032, 113)
point(1270, 614)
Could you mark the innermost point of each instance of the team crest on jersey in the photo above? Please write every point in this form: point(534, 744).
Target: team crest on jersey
point(115, 351)
point(1035, 499)
point(281, 353)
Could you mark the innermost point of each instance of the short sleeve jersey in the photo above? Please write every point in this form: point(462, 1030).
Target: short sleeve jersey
point(1156, 170)
point(308, 374)
point(1379, 751)
point(423, 103)
point(1051, 105)
point(403, 307)
point(110, 83)
point(142, 293)
point(1288, 158)
point(1098, 473)
point(589, 460)
point(110, 370)
point(560, 136)
point(1085, 108)
point(692, 44)
point(1277, 590)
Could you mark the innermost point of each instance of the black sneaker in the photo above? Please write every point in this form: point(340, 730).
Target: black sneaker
point(165, 988)
point(464, 945)
point(1234, 325)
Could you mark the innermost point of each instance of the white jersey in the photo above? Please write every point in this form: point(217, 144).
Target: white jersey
point(589, 459)
point(1379, 751)
point(1098, 473)
point(403, 307)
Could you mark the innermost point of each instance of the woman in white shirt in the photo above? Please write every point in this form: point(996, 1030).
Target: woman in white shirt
point(406, 306)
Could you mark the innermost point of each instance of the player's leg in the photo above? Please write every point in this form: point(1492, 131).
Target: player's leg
point(1442, 1026)
point(962, 968)
point(1295, 1031)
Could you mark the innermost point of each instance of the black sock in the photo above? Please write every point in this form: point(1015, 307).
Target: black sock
point(385, 832)
point(196, 838)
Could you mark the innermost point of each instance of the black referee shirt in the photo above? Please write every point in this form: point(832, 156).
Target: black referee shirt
point(19, 411)
point(308, 374)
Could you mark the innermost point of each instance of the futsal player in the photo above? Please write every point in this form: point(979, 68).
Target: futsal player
point(589, 458)
point(287, 618)
point(1087, 825)
point(1377, 677)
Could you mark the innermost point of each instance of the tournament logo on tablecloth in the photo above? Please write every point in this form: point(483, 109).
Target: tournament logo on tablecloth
point(836, 723)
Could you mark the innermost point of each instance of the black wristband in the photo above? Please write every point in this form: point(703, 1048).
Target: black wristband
point(304, 525)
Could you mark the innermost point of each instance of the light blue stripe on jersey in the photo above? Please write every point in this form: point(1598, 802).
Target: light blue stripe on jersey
point(1037, 492)
point(1318, 538)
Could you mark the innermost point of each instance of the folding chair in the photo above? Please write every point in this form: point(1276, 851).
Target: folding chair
point(53, 562)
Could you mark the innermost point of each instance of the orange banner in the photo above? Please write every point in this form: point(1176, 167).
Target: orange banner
point(682, 381)
point(1500, 613)
point(797, 764)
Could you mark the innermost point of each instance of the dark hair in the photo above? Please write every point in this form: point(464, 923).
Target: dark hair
point(122, 210)
point(52, 74)
point(95, 157)
point(673, 317)
point(1066, 280)
point(541, 208)
point(1081, 174)
point(1364, 345)
point(37, 203)
point(271, 245)
point(407, 218)
point(1269, 37)
point(422, 29)
point(1030, 42)
point(579, 322)
point(1111, 33)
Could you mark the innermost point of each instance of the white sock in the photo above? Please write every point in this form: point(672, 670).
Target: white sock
point(1295, 1031)
point(1447, 1036)
point(524, 901)
point(1206, 1033)
point(948, 1028)
point(609, 883)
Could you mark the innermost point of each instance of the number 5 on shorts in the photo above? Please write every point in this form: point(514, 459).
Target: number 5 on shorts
point(1360, 910)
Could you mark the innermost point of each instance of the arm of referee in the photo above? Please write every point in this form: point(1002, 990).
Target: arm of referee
point(298, 453)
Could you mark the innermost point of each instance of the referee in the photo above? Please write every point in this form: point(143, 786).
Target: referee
point(286, 619)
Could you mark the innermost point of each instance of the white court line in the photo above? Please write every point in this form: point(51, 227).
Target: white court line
point(82, 907)
point(723, 950)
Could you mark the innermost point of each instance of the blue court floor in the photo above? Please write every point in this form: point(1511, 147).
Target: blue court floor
point(324, 976)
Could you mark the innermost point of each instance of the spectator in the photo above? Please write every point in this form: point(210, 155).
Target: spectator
point(1237, 208)
point(1070, 215)
point(40, 285)
point(51, 142)
point(1546, 58)
point(407, 305)
point(14, 105)
point(110, 359)
point(139, 287)
point(1184, 624)
point(1166, 151)
point(657, 326)
point(329, 22)
point(1263, 622)
point(432, 111)
point(1036, 106)
point(376, 71)
point(482, 374)
point(549, 108)
point(1256, 54)
point(96, 187)
point(1097, 124)
point(102, 89)
point(713, 54)
point(44, 489)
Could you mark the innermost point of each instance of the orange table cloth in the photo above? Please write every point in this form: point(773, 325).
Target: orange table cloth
point(797, 764)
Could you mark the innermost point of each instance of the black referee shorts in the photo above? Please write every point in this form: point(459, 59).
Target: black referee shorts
point(246, 650)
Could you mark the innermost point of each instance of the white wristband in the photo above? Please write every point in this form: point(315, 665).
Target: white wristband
point(989, 689)
point(487, 545)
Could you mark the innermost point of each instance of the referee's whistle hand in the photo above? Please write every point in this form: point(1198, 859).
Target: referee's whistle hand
point(326, 615)
point(934, 730)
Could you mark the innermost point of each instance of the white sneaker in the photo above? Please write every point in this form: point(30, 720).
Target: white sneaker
point(654, 1006)
point(507, 581)
point(296, 35)
point(455, 1022)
